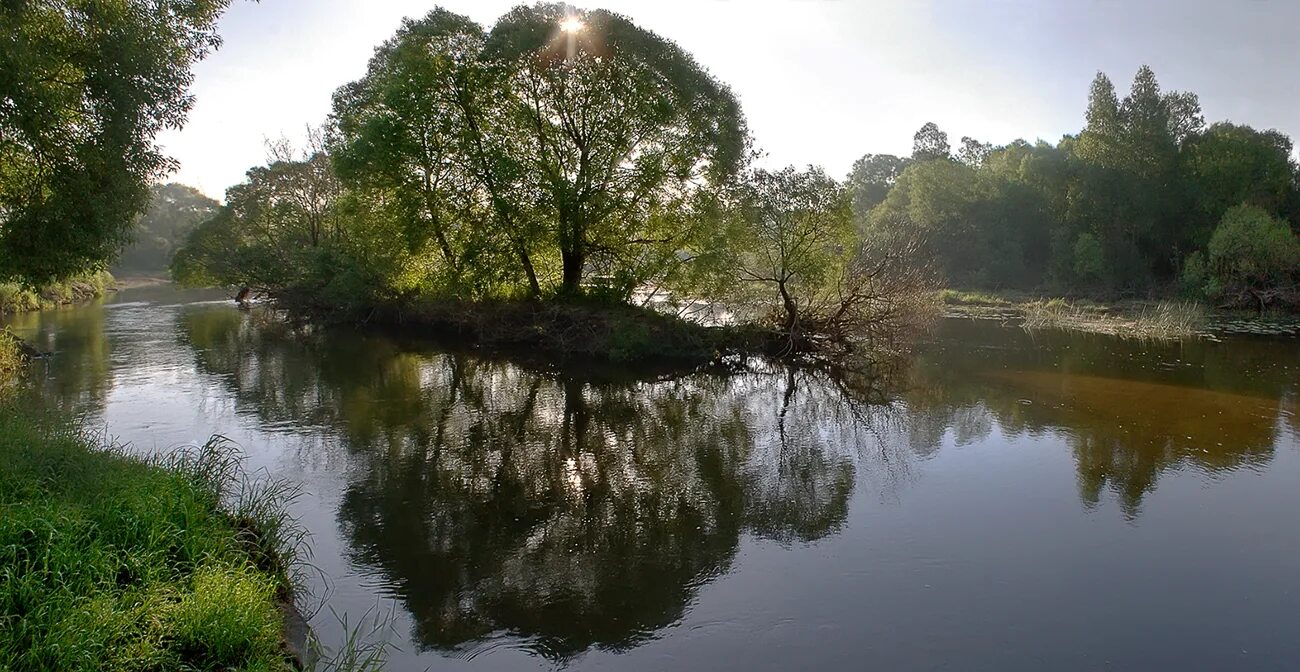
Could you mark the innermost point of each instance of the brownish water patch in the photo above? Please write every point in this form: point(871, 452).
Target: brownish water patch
point(1218, 426)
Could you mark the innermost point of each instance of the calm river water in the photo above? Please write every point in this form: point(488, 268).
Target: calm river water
point(1048, 502)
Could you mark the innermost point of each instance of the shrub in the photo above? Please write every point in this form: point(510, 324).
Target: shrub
point(1252, 247)
point(1252, 258)
point(14, 298)
point(1194, 276)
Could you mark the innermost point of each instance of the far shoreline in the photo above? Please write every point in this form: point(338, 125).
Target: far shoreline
point(137, 281)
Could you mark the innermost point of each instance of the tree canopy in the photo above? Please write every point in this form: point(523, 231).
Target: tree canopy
point(564, 152)
point(1121, 207)
point(85, 86)
point(529, 157)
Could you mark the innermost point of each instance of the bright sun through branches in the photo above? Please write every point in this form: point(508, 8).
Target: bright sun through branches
point(571, 24)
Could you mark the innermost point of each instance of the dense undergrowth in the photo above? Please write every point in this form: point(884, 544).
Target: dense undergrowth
point(110, 562)
point(16, 298)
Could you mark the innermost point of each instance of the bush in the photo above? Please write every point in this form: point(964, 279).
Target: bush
point(1252, 259)
point(1195, 273)
point(1250, 246)
point(14, 298)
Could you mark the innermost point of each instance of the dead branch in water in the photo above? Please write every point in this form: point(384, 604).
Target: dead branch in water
point(880, 300)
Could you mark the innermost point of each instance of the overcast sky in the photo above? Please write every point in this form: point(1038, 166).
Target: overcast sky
point(820, 81)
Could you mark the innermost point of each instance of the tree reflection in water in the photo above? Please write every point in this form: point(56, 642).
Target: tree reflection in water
point(77, 377)
point(1128, 410)
point(573, 510)
point(568, 511)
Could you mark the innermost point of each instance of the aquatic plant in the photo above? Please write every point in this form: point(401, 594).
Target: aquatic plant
point(1167, 320)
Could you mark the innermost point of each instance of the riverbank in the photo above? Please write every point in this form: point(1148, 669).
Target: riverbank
point(15, 298)
point(135, 281)
point(576, 329)
point(112, 562)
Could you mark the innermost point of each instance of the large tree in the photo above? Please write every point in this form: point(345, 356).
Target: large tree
point(85, 86)
point(1229, 165)
point(573, 140)
point(872, 177)
point(417, 130)
point(930, 143)
point(623, 128)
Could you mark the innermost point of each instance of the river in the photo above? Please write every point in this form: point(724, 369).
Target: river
point(1021, 502)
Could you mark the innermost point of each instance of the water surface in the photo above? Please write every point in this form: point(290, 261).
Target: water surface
point(1058, 501)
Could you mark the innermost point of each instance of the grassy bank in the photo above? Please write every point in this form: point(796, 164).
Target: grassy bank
point(109, 562)
point(1129, 318)
point(12, 362)
point(15, 298)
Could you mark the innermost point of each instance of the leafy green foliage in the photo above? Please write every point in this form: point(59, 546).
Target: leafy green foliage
point(1252, 258)
point(19, 298)
point(1229, 165)
point(973, 152)
point(12, 362)
point(1115, 209)
point(85, 86)
point(872, 177)
point(810, 279)
point(272, 231)
point(527, 157)
point(937, 201)
point(1089, 258)
point(799, 236)
point(930, 143)
point(174, 211)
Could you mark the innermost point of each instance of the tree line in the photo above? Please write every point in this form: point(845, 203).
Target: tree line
point(524, 160)
point(560, 153)
point(174, 211)
point(1145, 198)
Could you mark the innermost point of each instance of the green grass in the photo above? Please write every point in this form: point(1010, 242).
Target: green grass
point(12, 362)
point(955, 297)
point(109, 562)
point(15, 298)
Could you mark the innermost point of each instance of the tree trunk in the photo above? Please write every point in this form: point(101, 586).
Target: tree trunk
point(791, 310)
point(534, 290)
point(573, 262)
